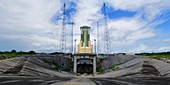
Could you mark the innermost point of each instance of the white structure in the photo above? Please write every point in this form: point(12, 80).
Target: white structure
point(84, 63)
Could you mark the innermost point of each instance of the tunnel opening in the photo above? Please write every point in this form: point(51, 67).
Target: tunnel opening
point(85, 66)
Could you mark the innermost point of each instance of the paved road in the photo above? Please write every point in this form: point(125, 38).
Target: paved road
point(132, 81)
point(24, 80)
point(76, 81)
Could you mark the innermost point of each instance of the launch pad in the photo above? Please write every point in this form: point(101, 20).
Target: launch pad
point(85, 60)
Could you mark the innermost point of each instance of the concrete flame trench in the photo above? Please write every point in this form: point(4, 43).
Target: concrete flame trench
point(85, 63)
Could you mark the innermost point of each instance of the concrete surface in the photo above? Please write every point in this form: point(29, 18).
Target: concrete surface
point(76, 81)
point(31, 66)
point(32, 70)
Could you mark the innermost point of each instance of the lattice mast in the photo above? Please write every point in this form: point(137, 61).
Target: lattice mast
point(63, 33)
point(97, 37)
point(106, 34)
point(72, 37)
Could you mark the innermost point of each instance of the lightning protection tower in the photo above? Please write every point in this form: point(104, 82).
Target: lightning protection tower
point(106, 33)
point(71, 37)
point(97, 37)
point(63, 33)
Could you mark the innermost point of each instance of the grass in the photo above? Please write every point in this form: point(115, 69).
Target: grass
point(99, 66)
point(114, 67)
point(53, 65)
point(157, 56)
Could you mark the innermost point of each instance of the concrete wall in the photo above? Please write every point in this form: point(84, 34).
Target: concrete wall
point(92, 57)
point(62, 60)
point(66, 63)
point(107, 61)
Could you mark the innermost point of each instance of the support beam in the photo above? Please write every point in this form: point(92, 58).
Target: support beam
point(94, 65)
point(75, 64)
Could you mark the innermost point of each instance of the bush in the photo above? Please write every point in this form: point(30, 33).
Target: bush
point(31, 52)
point(100, 70)
point(114, 67)
point(13, 51)
point(53, 65)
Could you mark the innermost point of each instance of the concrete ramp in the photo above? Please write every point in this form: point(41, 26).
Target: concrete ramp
point(125, 70)
point(6, 65)
point(141, 67)
point(131, 63)
point(30, 66)
point(162, 67)
point(116, 59)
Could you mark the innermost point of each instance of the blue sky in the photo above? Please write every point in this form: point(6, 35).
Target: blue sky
point(134, 26)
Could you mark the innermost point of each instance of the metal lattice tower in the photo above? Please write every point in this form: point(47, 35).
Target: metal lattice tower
point(97, 37)
point(106, 34)
point(71, 37)
point(63, 34)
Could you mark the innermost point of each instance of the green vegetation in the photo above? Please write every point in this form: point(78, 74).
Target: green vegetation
point(114, 67)
point(156, 55)
point(102, 70)
point(56, 66)
point(14, 53)
point(99, 66)
point(53, 65)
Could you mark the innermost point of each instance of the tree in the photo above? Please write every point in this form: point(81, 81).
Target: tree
point(13, 51)
point(31, 52)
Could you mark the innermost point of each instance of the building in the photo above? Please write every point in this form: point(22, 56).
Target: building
point(85, 60)
point(85, 46)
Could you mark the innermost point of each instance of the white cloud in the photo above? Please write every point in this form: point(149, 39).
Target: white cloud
point(149, 8)
point(139, 49)
point(164, 49)
point(166, 40)
point(127, 31)
point(88, 12)
point(25, 18)
point(131, 5)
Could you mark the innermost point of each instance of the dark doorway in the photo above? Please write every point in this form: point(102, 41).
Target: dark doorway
point(85, 66)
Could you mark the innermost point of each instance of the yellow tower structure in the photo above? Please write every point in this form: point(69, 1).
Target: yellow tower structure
point(85, 46)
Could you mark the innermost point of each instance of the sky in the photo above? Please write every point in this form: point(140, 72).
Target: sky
point(134, 26)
